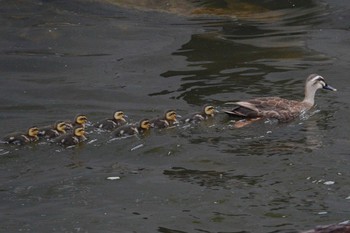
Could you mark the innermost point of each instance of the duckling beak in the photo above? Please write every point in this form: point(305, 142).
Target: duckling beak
point(123, 118)
point(328, 87)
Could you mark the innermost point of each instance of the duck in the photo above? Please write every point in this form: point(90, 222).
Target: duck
point(208, 111)
point(79, 120)
point(112, 123)
point(132, 129)
point(72, 138)
point(168, 120)
point(53, 131)
point(31, 135)
point(283, 110)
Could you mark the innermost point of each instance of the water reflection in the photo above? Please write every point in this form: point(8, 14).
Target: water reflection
point(235, 54)
point(210, 179)
point(252, 10)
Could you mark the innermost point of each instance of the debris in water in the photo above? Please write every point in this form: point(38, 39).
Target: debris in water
point(136, 147)
point(329, 182)
point(92, 141)
point(113, 178)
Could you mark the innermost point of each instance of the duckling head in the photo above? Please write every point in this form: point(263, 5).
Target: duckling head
point(145, 124)
point(33, 131)
point(61, 126)
point(79, 131)
point(170, 115)
point(119, 115)
point(209, 110)
point(81, 119)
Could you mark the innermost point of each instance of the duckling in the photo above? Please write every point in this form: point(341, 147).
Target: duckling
point(132, 129)
point(113, 123)
point(208, 111)
point(22, 138)
point(168, 120)
point(72, 138)
point(283, 110)
point(56, 130)
point(79, 120)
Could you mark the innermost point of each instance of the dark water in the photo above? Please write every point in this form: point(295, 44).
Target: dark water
point(60, 58)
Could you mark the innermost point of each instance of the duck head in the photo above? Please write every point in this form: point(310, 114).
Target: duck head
point(315, 81)
point(81, 119)
point(79, 131)
point(61, 126)
point(119, 115)
point(33, 132)
point(145, 124)
point(209, 110)
point(170, 116)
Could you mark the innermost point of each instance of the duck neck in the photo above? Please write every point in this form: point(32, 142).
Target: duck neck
point(309, 98)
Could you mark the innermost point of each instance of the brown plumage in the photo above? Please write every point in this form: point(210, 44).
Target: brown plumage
point(132, 129)
point(278, 108)
point(72, 138)
point(53, 131)
point(112, 123)
point(79, 120)
point(168, 120)
point(208, 111)
point(22, 138)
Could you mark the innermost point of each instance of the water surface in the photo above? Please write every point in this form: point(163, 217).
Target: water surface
point(58, 59)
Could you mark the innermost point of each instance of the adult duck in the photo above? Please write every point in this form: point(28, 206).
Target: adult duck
point(283, 110)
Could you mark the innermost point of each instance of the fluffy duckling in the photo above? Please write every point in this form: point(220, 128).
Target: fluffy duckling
point(112, 123)
point(56, 130)
point(79, 120)
point(132, 129)
point(72, 138)
point(278, 108)
point(168, 120)
point(22, 138)
point(208, 111)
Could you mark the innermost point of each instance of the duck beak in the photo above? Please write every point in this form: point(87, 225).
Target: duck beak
point(327, 87)
point(123, 118)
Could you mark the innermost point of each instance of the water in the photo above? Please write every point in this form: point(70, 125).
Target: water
point(62, 58)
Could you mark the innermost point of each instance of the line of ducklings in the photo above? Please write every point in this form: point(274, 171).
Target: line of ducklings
point(68, 133)
point(251, 110)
